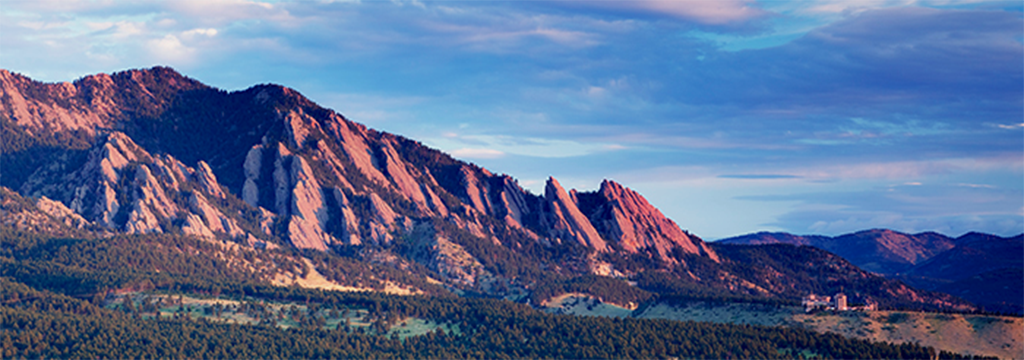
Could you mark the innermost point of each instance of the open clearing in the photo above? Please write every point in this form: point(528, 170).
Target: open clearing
point(1001, 336)
point(283, 315)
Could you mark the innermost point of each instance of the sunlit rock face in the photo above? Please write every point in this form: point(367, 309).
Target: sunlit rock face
point(625, 217)
point(152, 151)
point(125, 188)
point(565, 219)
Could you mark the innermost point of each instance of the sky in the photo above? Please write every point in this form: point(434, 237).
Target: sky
point(731, 116)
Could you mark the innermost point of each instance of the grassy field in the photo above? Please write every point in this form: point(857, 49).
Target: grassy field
point(966, 334)
point(283, 315)
point(581, 304)
point(1000, 336)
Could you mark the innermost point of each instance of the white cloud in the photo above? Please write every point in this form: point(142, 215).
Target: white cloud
point(853, 7)
point(222, 12)
point(1010, 126)
point(467, 153)
point(211, 32)
point(169, 49)
point(496, 39)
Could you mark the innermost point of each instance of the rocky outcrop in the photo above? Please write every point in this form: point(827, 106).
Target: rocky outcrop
point(565, 220)
point(307, 176)
point(293, 191)
point(123, 187)
point(41, 215)
point(624, 217)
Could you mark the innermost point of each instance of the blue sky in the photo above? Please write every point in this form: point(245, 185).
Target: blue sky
point(731, 116)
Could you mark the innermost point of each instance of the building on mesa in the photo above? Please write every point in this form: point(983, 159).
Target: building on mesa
point(812, 301)
point(840, 304)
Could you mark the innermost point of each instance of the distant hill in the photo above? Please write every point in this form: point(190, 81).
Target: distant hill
point(882, 251)
point(985, 269)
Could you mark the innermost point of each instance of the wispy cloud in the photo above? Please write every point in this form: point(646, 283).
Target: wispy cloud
point(705, 12)
point(1010, 126)
point(739, 96)
point(757, 176)
point(467, 153)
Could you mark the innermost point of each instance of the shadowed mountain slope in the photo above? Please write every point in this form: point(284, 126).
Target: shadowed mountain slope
point(883, 251)
point(152, 151)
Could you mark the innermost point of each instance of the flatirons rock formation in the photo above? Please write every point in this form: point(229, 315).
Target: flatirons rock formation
point(628, 220)
point(153, 151)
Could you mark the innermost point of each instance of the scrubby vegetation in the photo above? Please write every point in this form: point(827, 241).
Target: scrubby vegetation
point(67, 298)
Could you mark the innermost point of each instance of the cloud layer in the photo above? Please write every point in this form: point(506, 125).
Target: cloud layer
point(796, 116)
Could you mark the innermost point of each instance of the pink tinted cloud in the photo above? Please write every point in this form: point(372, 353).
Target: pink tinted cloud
point(708, 12)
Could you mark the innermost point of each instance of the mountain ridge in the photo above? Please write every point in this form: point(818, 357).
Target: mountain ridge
point(983, 268)
point(151, 151)
point(304, 163)
point(880, 250)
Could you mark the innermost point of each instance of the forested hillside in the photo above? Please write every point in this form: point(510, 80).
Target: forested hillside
point(55, 301)
point(143, 213)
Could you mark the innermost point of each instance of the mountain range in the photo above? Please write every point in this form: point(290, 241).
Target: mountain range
point(155, 152)
point(985, 269)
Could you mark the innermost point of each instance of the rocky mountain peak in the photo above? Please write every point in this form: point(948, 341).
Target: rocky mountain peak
point(267, 162)
point(627, 218)
point(565, 219)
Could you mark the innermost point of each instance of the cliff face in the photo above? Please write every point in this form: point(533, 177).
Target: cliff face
point(152, 151)
point(122, 187)
point(626, 218)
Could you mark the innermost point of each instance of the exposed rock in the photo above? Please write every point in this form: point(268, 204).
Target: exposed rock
point(214, 219)
point(434, 201)
point(39, 116)
point(142, 221)
point(349, 222)
point(406, 185)
point(195, 226)
point(317, 179)
point(309, 216)
point(282, 182)
point(207, 180)
point(511, 204)
point(61, 213)
point(116, 168)
point(382, 212)
point(151, 195)
point(250, 191)
point(476, 195)
point(566, 221)
point(267, 221)
point(41, 216)
point(297, 128)
point(625, 217)
point(353, 141)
